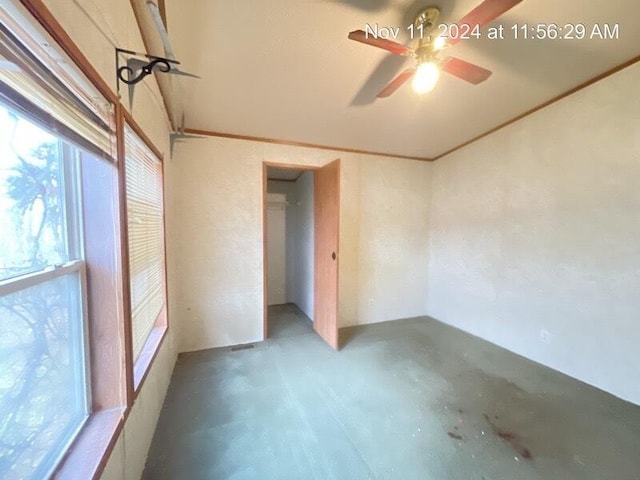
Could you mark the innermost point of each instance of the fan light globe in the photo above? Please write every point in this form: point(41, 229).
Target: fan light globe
point(426, 77)
point(439, 43)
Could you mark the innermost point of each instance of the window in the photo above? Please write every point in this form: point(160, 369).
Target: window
point(145, 226)
point(54, 129)
point(43, 386)
point(70, 361)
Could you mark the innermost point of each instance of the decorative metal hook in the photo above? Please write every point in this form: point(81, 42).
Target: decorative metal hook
point(125, 73)
point(139, 65)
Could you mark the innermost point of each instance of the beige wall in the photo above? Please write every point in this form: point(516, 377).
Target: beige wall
point(536, 236)
point(533, 233)
point(393, 237)
point(218, 285)
point(129, 456)
point(97, 27)
point(300, 244)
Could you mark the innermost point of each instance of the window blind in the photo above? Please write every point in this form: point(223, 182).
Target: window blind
point(38, 80)
point(145, 224)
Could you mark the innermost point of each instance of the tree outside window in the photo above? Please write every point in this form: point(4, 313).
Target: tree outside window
point(43, 391)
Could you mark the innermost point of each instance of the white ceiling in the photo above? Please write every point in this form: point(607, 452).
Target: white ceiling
point(284, 69)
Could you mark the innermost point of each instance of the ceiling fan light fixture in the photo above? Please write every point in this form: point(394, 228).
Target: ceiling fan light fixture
point(426, 74)
point(426, 77)
point(439, 43)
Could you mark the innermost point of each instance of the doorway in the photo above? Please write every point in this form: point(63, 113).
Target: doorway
point(300, 251)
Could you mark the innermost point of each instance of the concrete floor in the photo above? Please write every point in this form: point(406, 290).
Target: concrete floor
point(411, 399)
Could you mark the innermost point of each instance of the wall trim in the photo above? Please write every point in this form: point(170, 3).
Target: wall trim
point(292, 143)
point(553, 100)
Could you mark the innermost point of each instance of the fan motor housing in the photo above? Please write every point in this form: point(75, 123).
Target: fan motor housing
point(427, 19)
point(425, 22)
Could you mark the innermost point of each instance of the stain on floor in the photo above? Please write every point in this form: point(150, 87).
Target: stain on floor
point(511, 438)
point(410, 399)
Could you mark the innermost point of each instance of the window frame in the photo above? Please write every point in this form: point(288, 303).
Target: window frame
point(68, 158)
point(42, 277)
point(115, 380)
point(109, 381)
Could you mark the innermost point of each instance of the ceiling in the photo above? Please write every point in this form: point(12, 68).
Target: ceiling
point(283, 174)
point(285, 70)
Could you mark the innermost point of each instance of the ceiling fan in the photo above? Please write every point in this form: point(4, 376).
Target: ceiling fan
point(428, 66)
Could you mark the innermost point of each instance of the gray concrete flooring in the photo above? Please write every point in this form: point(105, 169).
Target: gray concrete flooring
point(410, 399)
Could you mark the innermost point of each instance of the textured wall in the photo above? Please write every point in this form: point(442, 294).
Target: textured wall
point(97, 27)
point(300, 252)
point(277, 248)
point(219, 275)
point(535, 235)
point(299, 242)
point(130, 453)
point(394, 200)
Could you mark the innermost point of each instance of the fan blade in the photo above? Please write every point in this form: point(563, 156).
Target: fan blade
point(464, 70)
point(484, 13)
point(393, 47)
point(397, 82)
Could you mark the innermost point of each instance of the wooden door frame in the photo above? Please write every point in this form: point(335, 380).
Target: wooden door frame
point(284, 166)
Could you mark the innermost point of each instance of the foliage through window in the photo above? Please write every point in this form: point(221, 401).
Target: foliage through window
point(59, 188)
point(43, 387)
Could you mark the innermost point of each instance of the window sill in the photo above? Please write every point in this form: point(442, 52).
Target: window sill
point(92, 447)
point(148, 355)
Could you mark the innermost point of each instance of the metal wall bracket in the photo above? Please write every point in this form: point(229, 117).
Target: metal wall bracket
point(137, 68)
point(139, 65)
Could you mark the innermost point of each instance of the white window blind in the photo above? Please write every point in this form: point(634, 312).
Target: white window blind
point(38, 80)
point(145, 223)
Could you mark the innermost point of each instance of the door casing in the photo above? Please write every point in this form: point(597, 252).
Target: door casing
point(328, 329)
